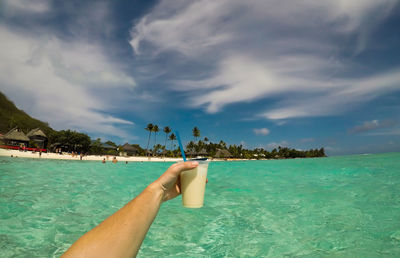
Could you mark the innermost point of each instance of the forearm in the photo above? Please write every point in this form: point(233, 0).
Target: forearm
point(121, 234)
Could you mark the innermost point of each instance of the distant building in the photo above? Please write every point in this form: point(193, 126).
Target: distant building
point(202, 152)
point(15, 137)
point(223, 154)
point(107, 147)
point(130, 150)
point(194, 153)
point(190, 153)
point(39, 137)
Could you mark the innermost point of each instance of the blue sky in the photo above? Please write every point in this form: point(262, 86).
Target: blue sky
point(261, 73)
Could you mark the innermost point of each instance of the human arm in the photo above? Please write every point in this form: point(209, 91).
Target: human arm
point(121, 234)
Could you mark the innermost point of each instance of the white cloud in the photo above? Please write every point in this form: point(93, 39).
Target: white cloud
point(372, 125)
point(196, 25)
point(267, 49)
point(332, 149)
point(305, 140)
point(339, 96)
point(13, 7)
point(190, 29)
point(261, 131)
point(59, 81)
point(394, 131)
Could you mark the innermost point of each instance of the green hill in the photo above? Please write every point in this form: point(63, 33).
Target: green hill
point(11, 116)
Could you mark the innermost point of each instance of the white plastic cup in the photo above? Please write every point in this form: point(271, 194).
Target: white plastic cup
point(193, 185)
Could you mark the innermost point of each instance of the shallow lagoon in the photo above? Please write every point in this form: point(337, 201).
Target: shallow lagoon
point(339, 206)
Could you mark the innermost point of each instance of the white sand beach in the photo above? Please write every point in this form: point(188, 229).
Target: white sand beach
point(29, 154)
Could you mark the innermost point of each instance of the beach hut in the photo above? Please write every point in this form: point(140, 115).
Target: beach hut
point(224, 154)
point(15, 137)
point(39, 137)
point(202, 152)
point(130, 149)
point(106, 146)
point(190, 153)
point(54, 146)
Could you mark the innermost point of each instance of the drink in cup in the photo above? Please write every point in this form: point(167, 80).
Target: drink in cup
point(193, 185)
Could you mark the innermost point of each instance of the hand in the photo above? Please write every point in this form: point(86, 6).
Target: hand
point(170, 180)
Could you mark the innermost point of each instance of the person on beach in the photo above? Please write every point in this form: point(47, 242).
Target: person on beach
point(122, 234)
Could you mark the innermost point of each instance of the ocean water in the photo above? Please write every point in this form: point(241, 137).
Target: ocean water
point(325, 207)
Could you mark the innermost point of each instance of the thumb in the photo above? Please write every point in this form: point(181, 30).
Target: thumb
point(177, 168)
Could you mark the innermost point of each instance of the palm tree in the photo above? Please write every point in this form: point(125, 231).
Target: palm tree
point(172, 137)
point(206, 140)
point(155, 130)
point(157, 148)
point(166, 130)
point(196, 133)
point(149, 128)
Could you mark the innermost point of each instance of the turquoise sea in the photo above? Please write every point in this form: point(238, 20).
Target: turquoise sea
point(345, 206)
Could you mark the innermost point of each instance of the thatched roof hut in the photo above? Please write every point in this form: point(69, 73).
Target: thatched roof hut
point(223, 154)
point(36, 132)
point(16, 137)
point(16, 134)
point(128, 147)
point(202, 152)
point(190, 152)
point(38, 136)
point(108, 146)
point(131, 149)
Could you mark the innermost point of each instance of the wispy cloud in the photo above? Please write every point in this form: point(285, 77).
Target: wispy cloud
point(305, 140)
point(394, 131)
point(332, 149)
point(261, 131)
point(67, 81)
point(372, 125)
point(251, 50)
point(16, 7)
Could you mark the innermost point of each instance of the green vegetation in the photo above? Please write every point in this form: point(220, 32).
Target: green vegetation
point(11, 116)
point(196, 133)
point(149, 128)
point(68, 140)
point(237, 151)
point(71, 140)
point(155, 130)
point(172, 138)
point(167, 130)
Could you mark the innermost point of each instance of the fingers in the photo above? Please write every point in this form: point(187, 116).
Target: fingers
point(177, 168)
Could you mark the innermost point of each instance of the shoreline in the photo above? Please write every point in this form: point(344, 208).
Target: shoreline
point(28, 154)
point(35, 155)
point(31, 155)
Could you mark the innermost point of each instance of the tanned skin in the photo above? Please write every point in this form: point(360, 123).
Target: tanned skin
point(122, 234)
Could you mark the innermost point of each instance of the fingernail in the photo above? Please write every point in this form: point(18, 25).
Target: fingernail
point(194, 163)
